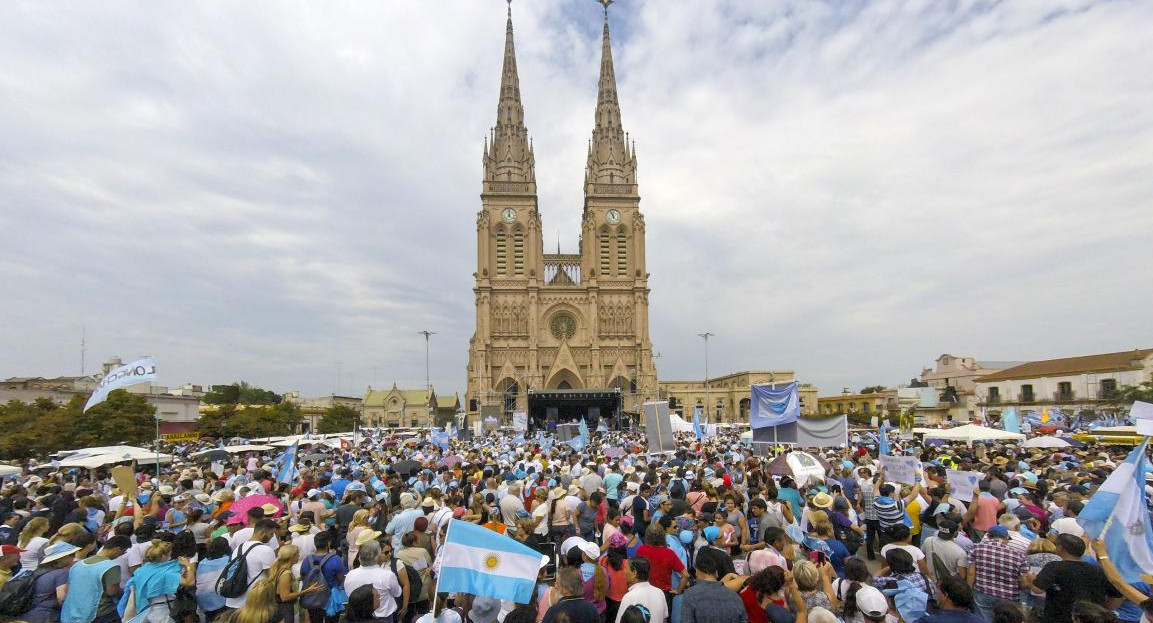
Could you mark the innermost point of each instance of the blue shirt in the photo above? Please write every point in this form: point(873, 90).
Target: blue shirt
point(337, 486)
point(793, 497)
point(612, 483)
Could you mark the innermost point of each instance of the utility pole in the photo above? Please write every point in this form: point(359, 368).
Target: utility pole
point(83, 348)
point(427, 380)
point(706, 335)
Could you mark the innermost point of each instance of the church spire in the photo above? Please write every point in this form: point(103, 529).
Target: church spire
point(508, 154)
point(609, 160)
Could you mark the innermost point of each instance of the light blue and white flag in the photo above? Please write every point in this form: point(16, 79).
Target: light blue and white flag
point(697, 430)
point(1010, 422)
point(478, 561)
point(584, 430)
point(883, 441)
point(286, 463)
point(545, 441)
point(577, 443)
point(142, 370)
point(1117, 514)
point(774, 405)
point(440, 438)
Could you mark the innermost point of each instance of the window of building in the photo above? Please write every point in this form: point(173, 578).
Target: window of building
point(518, 252)
point(994, 395)
point(1027, 393)
point(720, 408)
point(1064, 390)
point(501, 253)
point(674, 404)
point(865, 407)
point(1107, 388)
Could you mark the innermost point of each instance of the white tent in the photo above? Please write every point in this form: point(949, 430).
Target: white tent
point(1046, 442)
point(140, 455)
point(234, 449)
point(971, 432)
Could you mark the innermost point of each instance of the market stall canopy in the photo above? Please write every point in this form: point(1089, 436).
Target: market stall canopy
point(971, 432)
point(100, 460)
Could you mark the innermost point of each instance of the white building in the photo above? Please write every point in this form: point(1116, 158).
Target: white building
point(1071, 384)
point(953, 379)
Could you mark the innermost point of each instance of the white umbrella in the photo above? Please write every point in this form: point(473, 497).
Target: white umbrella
point(9, 470)
point(1046, 442)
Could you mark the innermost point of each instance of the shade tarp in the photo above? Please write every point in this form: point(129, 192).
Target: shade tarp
point(830, 432)
point(971, 432)
point(236, 449)
point(101, 460)
point(1046, 442)
point(679, 424)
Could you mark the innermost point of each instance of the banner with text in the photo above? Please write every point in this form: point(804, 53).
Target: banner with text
point(520, 420)
point(140, 371)
point(902, 469)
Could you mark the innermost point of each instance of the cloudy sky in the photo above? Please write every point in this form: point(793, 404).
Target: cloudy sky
point(281, 191)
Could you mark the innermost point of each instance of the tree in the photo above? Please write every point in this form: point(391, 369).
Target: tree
point(338, 419)
point(241, 393)
point(1126, 395)
point(873, 389)
point(43, 426)
point(250, 421)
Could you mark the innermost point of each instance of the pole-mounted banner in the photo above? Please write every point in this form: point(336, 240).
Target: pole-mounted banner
point(140, 371)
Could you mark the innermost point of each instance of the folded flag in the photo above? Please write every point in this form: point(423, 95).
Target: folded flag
point(478, 561)
point(1117, 514)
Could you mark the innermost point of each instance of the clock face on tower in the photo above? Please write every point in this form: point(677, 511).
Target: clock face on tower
point(508, 214)
point(614, 217)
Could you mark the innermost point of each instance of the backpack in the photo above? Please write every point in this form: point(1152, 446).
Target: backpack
point(17, 595)
point(360, 604)
point(183, 605)
point(315, 576)
point(415, 586)
point(233, 581)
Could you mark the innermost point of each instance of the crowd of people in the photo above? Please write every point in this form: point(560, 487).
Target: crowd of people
point(708, 534)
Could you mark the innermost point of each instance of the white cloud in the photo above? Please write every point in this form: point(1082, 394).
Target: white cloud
point(262, 190)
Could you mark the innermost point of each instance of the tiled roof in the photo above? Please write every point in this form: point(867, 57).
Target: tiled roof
point(1108, 362)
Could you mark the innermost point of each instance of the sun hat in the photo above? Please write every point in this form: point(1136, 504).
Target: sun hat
point(312, 493)
point(203, 498)
point(484, 610)
point(823, 500)
point(58, 550)
point(367, 536)
point(270, 509)
point(574, 489)
point(299, 527)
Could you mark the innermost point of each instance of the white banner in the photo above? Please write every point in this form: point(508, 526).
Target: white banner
point(963, 484)
point(520, 420)
point(902, 469)
point(139, 371)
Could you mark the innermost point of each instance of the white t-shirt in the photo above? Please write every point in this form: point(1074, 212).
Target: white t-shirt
point(260, 557)
point(135, 553)
point(383, 581)
point(646, 595)
point(244, 535)
point(30, 557)
point(541, 511)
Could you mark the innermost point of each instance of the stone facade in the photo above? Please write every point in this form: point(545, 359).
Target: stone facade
point(559, 321)
point(730, 395)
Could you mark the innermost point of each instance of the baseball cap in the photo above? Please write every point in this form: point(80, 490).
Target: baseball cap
point(8, 550)
point(946, 527)
point(998, 531)
point(871, 602)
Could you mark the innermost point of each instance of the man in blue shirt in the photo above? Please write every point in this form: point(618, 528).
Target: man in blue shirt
point(956, 599)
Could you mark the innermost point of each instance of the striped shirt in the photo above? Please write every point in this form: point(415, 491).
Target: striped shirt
point(868, 495)
point(889, 511)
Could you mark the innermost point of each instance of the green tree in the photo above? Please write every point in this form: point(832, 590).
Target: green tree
point(873, 389)
point(241, 393)
point(1126, 395)
point(338, 419)
point(42, 427)
point(251, 421)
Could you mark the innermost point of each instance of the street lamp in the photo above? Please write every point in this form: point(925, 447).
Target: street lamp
point(706, 335)
point(427, 383)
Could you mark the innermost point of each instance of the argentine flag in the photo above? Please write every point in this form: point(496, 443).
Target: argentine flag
point(1117, 514)
point(883, 441)
point(478, 561)
point(287, 462)
point(697, 430)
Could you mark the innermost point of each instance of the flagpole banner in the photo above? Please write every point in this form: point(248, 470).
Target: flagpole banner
point(774, 405)
point(1117, 514)
point(142, 370)
point(658, 428)
point(830, 432)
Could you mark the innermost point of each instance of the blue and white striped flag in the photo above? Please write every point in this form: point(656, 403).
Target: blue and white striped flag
point(883, 441)
point(1117, 514)
point(377, 484)
point(478, 561)
point(440, 438)
point(697, 430)
point(584, 429)
point(287, 464)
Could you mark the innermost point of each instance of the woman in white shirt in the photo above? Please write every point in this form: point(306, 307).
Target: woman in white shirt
point(32, 541)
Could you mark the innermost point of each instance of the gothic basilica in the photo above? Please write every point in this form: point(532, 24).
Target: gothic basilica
point(560, 336)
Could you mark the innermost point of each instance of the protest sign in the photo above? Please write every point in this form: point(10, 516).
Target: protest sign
point(520, 420)
point(962, 485)
point(125, 480)
point(902, 469)
point(1142, 413)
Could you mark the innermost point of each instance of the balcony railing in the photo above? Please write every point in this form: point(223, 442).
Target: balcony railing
point(562, 269)
point(993, 399)
point(1064, 396)
point(1026, 397)
point(1106, 394)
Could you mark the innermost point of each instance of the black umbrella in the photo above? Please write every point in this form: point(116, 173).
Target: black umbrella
point(213, 455)
point(406, 468)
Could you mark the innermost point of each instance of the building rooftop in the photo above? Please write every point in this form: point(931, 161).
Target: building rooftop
point(1108, 362)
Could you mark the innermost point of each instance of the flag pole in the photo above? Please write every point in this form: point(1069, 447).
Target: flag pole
point(436, 590)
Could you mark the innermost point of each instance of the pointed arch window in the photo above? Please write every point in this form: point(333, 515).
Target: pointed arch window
point(622, 240)
point(501, 252)
point(518, 252)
